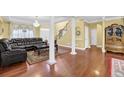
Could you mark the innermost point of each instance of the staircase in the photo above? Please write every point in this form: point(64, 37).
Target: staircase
point(63, 31)
point(63, 36)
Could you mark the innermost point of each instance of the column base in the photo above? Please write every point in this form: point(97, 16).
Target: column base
point(103, 50)
point(51, 62)
point(89, 46)
point(73, 53)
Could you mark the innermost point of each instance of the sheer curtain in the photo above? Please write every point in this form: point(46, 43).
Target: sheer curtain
point(22, 31)
point(44, 34)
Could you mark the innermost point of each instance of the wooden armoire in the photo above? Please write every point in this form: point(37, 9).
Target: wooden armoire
point(114, 38)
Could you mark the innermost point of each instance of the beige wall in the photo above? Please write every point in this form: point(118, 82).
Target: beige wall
point(7, 33)
point(6, 28)
point(80, 39)
point(116, 21)
point(66, 39)
point(99, 35)
point(98, 27)
point(37, 31)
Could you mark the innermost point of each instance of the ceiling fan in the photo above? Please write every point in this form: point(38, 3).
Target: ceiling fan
point(36, 23)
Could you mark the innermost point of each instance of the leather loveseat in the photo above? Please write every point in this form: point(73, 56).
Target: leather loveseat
point(9, 56)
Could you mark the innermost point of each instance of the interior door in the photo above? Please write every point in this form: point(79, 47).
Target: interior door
point(44, 33)
point(93, 37)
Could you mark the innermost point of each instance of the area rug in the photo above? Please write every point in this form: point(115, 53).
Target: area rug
point(34, 57)
point(117, 68)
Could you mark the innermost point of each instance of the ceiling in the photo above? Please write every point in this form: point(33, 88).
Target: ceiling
point(91, 19)
point(45, 20)
point(30, 19)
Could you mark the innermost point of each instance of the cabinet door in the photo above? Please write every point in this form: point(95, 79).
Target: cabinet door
point(109, 35)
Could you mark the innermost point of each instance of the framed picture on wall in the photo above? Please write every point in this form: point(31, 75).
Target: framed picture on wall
point(78, 34)
point(78, 31)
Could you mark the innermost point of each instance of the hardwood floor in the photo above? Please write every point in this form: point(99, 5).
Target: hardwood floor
point(91, 62)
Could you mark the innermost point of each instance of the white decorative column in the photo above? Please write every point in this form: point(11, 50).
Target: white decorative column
point(73, 43)
point(51, 43)
point(103, 35)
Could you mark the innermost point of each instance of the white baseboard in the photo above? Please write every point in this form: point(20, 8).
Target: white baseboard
point(65, 46)
point(100, 46)
point(88, 47)
point(80, 48)
point(70, 47)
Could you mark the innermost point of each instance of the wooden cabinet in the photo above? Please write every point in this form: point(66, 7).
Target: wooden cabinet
point(114, 38)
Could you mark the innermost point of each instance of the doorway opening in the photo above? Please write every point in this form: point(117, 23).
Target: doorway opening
point(93, 37)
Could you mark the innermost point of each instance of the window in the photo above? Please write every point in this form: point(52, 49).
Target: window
point(44, 33)
point(20, 31)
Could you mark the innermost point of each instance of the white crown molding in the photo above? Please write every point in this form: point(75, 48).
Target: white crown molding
point(44, 21)
point(106, 19)
point(62, 20)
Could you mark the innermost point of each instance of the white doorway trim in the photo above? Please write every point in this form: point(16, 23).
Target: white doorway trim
point(86, 37)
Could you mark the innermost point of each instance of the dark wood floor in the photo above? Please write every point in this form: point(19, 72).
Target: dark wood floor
point(91, 62)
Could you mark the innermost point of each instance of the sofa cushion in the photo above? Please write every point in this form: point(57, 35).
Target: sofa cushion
point(2, 49)
point(6, 45)
point(27, 43)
